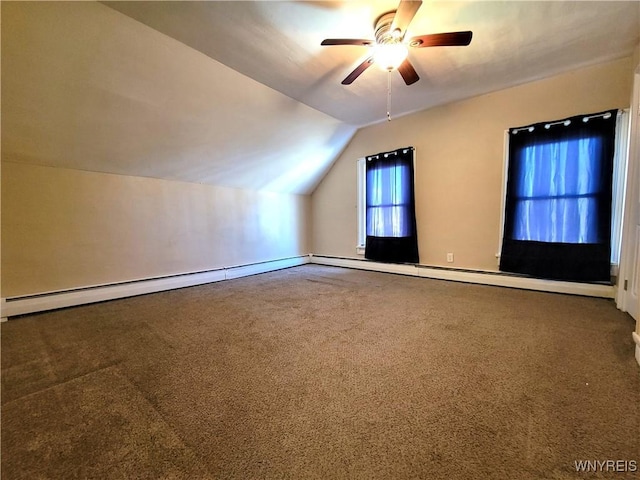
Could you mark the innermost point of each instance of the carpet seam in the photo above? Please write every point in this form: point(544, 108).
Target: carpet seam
point(63, 382)
point(169, 425)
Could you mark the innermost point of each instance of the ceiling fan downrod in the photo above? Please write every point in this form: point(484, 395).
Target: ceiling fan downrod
point(388, 95)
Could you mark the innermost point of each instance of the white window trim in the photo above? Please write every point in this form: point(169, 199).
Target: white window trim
point(503, 199)
point(620, 167)
point(362, 200)
point(620, 172)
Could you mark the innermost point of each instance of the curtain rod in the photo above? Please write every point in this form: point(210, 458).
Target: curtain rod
point(603, 115)
point(566, 123)
point(386, 154)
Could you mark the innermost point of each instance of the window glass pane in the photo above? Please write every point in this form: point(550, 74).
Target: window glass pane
point(565, 220)
point(388, 221)
point(387, 186)
point(388, 195)
point(555, 192)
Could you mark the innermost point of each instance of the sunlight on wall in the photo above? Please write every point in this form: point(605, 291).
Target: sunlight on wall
point(315, 157)
point(277, 220)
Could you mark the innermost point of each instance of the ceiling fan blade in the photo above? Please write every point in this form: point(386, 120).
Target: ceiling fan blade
point(347, 41)
point(451, 39)
point(409, 74)
point(358, 71)
point(404, 14)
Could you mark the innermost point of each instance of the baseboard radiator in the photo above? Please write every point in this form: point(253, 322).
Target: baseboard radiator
point(471, 276)
point(14, 306)
point(27, 304)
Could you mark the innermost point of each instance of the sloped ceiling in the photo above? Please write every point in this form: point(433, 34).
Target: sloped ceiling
point(241, 94)
point(278, 44)
point(87, 88)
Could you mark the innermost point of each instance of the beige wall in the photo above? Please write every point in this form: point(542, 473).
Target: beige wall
point(459, 163)
point(67, 228)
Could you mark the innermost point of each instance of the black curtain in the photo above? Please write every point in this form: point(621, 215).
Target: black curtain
point(558, 199)
point(390, 207)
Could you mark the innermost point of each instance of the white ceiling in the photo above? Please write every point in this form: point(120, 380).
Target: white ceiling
point(241, 94)
point(278, 44)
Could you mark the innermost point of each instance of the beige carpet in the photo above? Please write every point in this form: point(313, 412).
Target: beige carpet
point(321, 373)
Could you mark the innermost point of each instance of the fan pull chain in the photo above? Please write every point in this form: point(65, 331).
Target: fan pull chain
point(388, 95)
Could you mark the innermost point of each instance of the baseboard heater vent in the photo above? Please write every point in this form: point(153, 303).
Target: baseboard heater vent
point(482, 277)
point(21, 305)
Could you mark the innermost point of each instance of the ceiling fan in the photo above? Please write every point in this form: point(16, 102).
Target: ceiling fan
point(390, 45)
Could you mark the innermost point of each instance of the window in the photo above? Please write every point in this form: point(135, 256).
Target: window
point(555, 191)
point(558, 204)
point(386, 207)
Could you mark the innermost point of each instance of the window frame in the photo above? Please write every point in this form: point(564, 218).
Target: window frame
point(361, 205)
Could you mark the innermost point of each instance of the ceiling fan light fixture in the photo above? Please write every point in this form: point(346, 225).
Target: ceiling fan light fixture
point(389, 56)
point(391, 44)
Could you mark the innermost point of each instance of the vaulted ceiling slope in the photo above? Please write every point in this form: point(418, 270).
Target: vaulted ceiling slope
point(278, 44)
point(86, 87)
point(241, 94)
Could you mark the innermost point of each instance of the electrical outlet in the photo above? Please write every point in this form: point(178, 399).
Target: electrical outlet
point(449, 257)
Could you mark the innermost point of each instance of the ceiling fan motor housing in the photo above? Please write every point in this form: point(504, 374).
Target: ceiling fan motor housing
point(384, 35)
